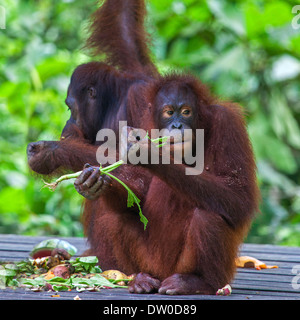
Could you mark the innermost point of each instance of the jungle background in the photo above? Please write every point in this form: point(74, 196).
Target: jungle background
point(247, 51)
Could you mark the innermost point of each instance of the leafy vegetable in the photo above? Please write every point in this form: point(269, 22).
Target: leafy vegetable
point(86, 276)
point(35, 74)
point(132, 198)
point(94, 283)
point(86, 264)
point(161, 140)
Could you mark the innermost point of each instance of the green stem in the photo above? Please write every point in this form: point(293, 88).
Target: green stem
point(132, 198)
point(68, 176)
point(112, 166)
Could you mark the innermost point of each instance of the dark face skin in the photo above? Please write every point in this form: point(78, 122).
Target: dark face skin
point(175, 110)
point(175, 107)
point(40, 153)
point(73, 106)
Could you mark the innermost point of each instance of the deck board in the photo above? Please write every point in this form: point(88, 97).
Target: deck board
point(249, 284)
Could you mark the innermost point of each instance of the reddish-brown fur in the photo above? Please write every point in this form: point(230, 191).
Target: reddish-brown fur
point(118, 31)
point(196, 223)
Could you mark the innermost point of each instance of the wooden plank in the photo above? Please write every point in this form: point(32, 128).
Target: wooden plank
point(31, 241)
point(115, 294)
point(265, 285)
point(266, 257)
point(15, 248)
point(107, 294)
point(268, 248)
point(104, 294)
point(265, 277)
point(262, 295)
point(249, 284)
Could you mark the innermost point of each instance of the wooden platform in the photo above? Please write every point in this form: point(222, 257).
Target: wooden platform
point(248, 284)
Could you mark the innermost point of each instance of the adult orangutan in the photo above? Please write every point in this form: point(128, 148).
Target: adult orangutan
point(98, 91)
point(196, 222)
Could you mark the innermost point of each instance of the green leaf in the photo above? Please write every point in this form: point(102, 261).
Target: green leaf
point(132, 198)
point(7, 273)
point(58, 280)
point(283, 121)
point(277, 13)
point(259, 18)
point(254, 26)
point(99, 280)
point(88, 260)
point(96, 269)
point(13, 283)
point(270, 147)
point(54, 65)
point(85, 264)
point(233, 60)
point(37, 282)
point(228, 15)
point(60, 287)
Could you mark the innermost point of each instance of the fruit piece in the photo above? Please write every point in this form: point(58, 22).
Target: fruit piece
point(49, 275)
point(44, 248)
point(225, 291)
point(61, 254)
point(61, 271)
point(114, 274)
point(250, 262)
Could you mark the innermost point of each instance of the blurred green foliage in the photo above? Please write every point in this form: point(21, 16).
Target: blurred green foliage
point(246, 51)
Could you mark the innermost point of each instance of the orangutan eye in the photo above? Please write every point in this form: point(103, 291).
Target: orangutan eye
point(168, 111)
point(92, 92)
point(186, 112)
